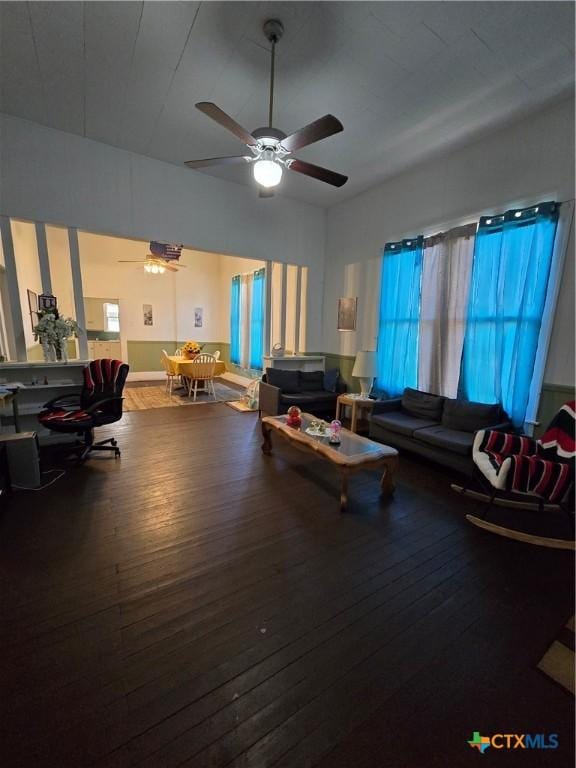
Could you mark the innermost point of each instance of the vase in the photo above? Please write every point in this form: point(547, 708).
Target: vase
point(49, 351)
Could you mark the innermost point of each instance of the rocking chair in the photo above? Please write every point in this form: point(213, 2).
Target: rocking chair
point(519, 471)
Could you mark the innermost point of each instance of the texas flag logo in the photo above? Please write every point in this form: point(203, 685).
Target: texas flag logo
point(481, 743)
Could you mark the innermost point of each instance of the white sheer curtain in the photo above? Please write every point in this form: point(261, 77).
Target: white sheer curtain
point(446, 272)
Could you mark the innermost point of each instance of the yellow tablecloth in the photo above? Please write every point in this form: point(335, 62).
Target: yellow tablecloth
point(182, 366)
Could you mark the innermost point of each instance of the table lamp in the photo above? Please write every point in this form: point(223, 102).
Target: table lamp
point(365, 370)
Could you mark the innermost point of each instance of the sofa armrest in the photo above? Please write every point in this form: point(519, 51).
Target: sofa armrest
point(505, 426)
point(386, 406)
point(269, 399)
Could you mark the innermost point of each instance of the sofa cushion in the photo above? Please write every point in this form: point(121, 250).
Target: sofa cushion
point(287, 381)
point(469, 417)
point(403, 423)
point(312, 381)
point(422, 404)
point(303, 399)
point(453, 440)
point(331, 379)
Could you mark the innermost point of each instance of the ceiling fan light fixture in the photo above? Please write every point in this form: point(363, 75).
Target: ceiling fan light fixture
point(267, 172)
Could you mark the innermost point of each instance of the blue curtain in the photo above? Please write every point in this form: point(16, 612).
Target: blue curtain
point(235, 321)
point(257, 320)
point(512, 260)
point(397, 353)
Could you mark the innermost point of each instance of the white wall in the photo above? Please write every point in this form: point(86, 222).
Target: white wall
point(59, 178)
point(28, 269)
point(528, 161)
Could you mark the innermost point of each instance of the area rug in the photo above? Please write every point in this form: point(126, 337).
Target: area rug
point(558, 661)
point(147, 396)
point(240, 405)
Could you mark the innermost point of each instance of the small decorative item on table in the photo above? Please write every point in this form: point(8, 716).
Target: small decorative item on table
point(294, 419)
point(335, 429)
point(191, 349)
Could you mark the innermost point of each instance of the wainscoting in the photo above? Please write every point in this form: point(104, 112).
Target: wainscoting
point(145, 355)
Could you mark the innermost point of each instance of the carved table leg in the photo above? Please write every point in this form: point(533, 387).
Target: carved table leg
point(267, 435)
point(387, 482)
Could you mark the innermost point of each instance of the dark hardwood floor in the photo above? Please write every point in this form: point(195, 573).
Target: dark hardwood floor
point(196, 603)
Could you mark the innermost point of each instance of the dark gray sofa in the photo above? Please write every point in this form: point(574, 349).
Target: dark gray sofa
point(313, 392)
point(438, 428)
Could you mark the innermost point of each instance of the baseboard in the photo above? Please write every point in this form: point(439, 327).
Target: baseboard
point(235, 378)
point(147, 376)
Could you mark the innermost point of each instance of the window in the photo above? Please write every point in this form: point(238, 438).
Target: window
point(257, 320)
point(512, 261)
point(397, 354)
point(446, 272)
point(462, 315)
point(235, 321)
point(247, 316)
point(111, 317)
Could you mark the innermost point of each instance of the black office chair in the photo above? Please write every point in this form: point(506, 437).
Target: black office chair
point(99, 403)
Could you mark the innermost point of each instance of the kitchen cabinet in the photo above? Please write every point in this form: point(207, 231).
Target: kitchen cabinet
point(98, 350)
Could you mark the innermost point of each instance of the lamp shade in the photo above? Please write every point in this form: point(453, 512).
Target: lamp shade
point(365, 364)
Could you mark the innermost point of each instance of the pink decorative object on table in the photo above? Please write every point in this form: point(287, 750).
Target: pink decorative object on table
point(294, 417)
point(335, 429)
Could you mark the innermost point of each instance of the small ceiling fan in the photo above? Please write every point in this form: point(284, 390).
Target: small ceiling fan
point(162, 257)
point(270, 147)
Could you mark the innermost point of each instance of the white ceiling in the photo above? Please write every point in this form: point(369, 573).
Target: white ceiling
point(406, 79)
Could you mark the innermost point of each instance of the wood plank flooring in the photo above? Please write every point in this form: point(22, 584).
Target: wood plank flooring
point(196, 603)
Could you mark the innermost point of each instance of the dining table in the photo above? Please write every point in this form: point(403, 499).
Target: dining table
point(182, 366)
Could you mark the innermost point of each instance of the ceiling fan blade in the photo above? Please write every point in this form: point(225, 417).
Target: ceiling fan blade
point(316, 131)
point(317, 172)
point(211, 110)
point(170, 268)
point(233, 160)
point(265, 193)
point(131, 261)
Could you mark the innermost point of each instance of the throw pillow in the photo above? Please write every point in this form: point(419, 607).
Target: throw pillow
point(470, 417)
point(312, 381)
point(287, 381)
point(331, 379)
point(422, 404)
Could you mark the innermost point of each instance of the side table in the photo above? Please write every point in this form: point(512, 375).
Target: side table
point(357, 404)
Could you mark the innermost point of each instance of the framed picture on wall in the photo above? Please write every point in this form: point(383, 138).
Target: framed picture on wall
point(347, 314)
point(147, 314)
point(198, 317)
point(33, 307)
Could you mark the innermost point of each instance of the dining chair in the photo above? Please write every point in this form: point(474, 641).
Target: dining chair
point(217, 355)
point(178, 352)
point(169, 370)
point(201, 371)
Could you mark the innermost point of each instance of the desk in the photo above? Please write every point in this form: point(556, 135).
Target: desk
point(357, 405)
point(181, 366)
point(11, 396)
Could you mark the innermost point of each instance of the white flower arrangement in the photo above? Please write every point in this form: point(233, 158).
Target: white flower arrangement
point(53, 329)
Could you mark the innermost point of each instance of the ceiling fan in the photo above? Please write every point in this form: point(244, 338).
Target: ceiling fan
point(162, 257)
point(270, 148)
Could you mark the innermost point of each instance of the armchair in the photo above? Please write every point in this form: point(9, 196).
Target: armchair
point(99, 403)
